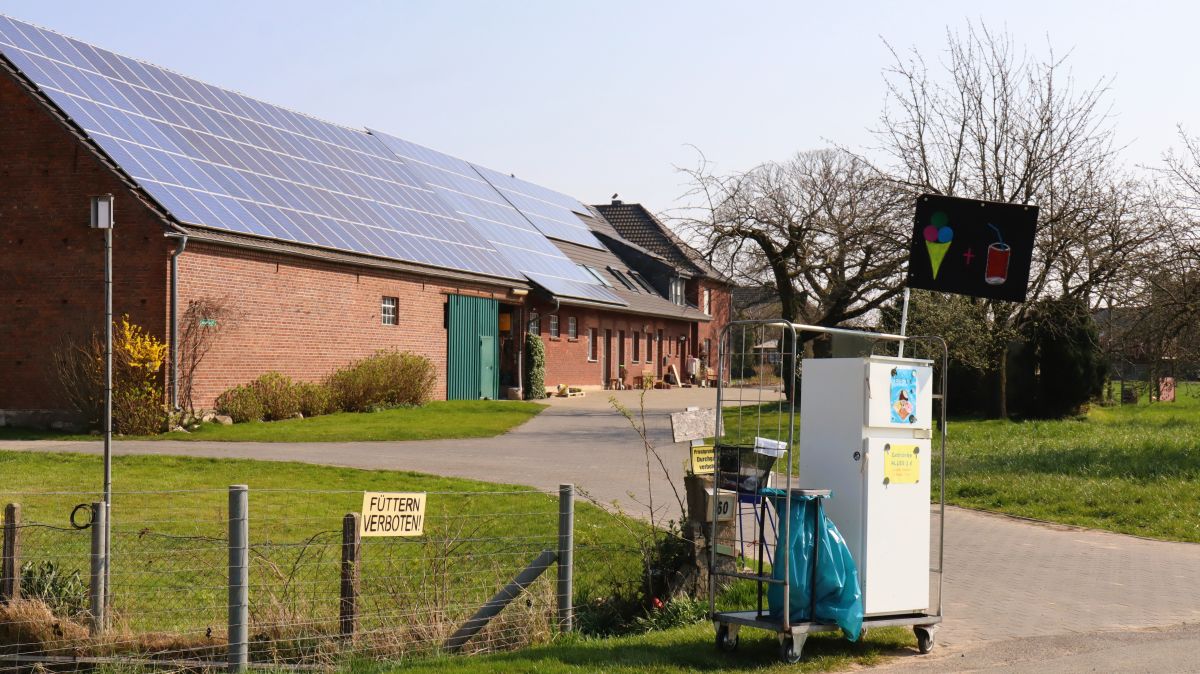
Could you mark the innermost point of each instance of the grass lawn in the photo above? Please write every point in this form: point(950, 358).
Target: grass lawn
point(1133, 469)
point(438, 420)
point(678, 650)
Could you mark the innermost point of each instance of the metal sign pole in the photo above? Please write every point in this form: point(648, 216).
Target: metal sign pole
point(108, 369)
point(903, 323)
point(102, 218)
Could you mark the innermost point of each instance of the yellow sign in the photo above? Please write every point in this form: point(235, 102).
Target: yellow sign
point(393, 514)
point(901, 465)
point(702, 460)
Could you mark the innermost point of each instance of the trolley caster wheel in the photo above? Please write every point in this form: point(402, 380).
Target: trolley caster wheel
point(925, 639)
point(790, 647)
point(727, 639)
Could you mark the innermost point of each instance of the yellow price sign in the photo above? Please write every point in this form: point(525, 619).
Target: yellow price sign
point(703, 460)
point(901, 464)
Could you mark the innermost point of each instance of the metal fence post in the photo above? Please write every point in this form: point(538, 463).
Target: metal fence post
point(566, 557)
point(10, 560)
point(351, 553)
point(99, 568)
point(239, 577)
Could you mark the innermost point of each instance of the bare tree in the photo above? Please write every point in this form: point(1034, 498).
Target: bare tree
point(203, 321)
point(993, 123)
point(823, 229)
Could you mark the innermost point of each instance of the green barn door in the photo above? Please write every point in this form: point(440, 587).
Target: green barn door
point(471, 355)
point(487, 367)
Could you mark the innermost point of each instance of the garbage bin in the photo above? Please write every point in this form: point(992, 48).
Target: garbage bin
point(821, 573)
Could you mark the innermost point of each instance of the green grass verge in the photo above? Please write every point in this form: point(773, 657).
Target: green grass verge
point(170, 520)
point(438, 420)
point(1132, 469)
point(682, 649)
point(176, 585)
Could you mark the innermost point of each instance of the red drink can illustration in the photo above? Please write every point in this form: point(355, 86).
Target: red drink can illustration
point(997, 263)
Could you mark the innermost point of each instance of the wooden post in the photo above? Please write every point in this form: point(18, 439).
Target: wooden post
point(10, 558)
point(351, 557)
point(566, 549)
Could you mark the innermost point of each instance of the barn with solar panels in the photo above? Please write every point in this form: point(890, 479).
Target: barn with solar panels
point(328, 242)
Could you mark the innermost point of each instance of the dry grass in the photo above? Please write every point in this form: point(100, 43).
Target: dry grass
point(28, 626)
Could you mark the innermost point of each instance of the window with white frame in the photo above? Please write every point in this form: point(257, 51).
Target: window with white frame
point(593, 348)
point(554, 326)
point(572, 328)
point(677, 291)
point(706, 299)
point(535, 324)
point(389, 310)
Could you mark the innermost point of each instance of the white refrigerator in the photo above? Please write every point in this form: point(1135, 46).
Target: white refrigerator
point(865, 434)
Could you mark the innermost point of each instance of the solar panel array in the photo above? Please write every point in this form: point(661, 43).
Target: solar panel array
point(551, 212)
point(215, 158)
point(461, 186)
point(219, 159)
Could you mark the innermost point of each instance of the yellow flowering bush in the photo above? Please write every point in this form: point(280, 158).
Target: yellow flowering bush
point(138, 356)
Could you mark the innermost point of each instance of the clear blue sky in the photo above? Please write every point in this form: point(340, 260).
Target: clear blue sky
point(592, 98)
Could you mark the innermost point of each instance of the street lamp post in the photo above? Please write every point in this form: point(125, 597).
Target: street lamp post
point(102, 218)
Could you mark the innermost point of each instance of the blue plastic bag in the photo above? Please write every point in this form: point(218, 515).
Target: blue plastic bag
point(838, 596)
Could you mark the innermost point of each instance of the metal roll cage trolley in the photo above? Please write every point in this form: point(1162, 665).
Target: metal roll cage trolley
point(792, 635)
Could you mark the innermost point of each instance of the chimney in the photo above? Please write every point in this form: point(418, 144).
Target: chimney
point(615, 200)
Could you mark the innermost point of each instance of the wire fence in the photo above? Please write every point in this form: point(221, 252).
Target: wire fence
point(168, 602)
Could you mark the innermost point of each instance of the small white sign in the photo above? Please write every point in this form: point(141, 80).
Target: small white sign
point(393, 514)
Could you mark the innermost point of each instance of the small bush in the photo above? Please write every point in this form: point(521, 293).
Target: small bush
point(385, 379)
point(278, 395)
point(315, 399)
point(138, 409)
point(535, 367)
point(241, 403)
point(677, 612)
point(66, 594)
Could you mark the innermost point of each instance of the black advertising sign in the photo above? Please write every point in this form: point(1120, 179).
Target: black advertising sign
point(972, 247)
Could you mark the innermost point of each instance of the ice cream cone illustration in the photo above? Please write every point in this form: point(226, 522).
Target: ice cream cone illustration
point(938, 237)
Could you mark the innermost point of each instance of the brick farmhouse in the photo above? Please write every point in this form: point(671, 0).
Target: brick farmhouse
point(298, 308)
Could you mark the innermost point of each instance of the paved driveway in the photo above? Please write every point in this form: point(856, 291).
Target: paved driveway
point(1005, 578)
point(580, 440)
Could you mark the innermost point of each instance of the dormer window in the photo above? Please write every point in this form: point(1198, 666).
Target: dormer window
point(677, 291)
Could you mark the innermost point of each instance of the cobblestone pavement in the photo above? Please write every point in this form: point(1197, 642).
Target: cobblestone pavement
point(1008, 578)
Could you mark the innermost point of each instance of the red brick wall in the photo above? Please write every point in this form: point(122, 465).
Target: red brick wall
point(721, 310)
point(306, 318)
point(51, 262)
point(567, 360)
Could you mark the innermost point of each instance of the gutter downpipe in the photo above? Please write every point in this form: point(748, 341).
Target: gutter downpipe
point(183, 240)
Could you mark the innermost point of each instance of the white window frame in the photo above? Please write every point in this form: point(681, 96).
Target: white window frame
point(593, 350)
point(706, 298)
point(389, 311)
point(572, 328)
point(554, 332)
point(534, 325)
